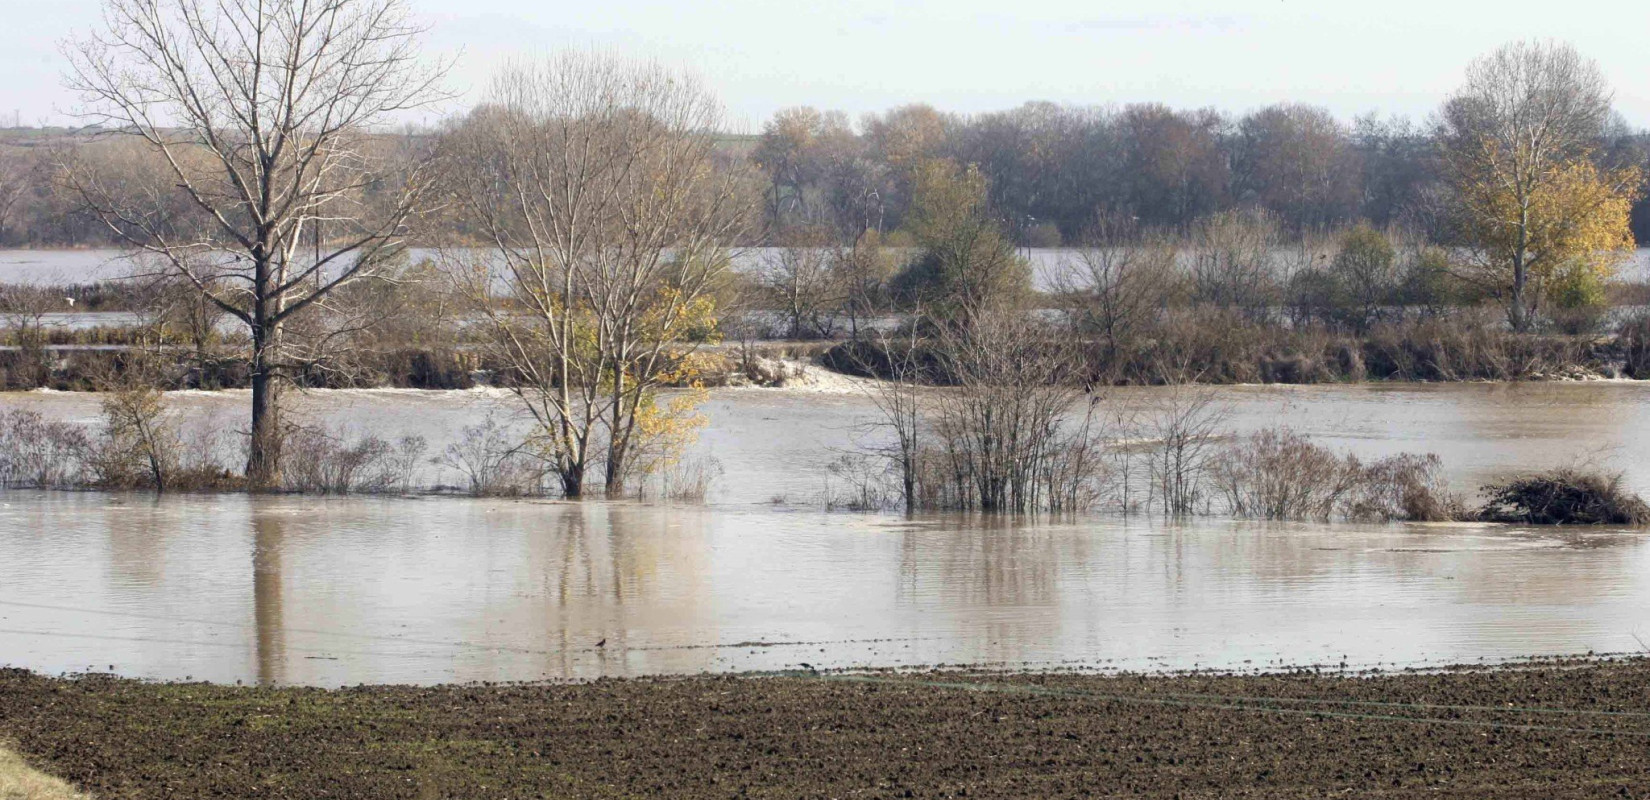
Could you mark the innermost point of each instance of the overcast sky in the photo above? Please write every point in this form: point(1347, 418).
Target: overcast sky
point(1390, 56)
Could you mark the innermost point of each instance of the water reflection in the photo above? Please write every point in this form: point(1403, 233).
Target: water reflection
point(335, 591)
point(267, 615)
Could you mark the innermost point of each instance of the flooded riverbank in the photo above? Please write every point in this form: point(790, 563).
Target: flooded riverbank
point(349, 590)
point(331, 592)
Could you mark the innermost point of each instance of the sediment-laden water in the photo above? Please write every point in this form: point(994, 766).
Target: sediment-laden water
point(351, 590)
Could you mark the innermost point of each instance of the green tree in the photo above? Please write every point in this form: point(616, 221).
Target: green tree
point(1363, 272)
point(967, 262)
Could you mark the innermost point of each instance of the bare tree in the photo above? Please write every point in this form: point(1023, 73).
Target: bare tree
point(14, 179)
point(1117, 282)
point(1232, 262)
point(862, 270)
point(594, 186)
point(259, 110)
point(800, 277)
point(903, 406)
point(23, 320)
point(1184, 426)
point(1526, 111)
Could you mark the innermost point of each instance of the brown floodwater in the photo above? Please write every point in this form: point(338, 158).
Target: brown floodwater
point(366, 590)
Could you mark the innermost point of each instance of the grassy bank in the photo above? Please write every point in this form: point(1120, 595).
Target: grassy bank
point(19, 781)
point(1219, 348)
point(90, 360)
point(1553, 731)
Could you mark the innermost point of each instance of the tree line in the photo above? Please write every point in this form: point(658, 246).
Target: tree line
point(1051, 169)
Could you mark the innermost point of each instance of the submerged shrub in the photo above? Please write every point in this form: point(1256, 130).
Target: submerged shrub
point(1280, 474)
point(37, 453)
point(1565, 497)
point(682, 480)
point(1404, 487)
point(495, 462)
point(319, 462)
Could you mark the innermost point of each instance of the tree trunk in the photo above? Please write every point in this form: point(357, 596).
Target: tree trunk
point(1517, 315)
point(618, 434)
point(616, 458)
point(572, 482)
point(263, 463)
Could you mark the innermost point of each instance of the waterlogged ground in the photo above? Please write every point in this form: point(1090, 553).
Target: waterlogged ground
point(343, 591)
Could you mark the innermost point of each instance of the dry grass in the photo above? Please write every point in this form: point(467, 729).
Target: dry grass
point(18, 781)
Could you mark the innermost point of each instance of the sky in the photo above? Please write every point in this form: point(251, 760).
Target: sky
point(1382, 56)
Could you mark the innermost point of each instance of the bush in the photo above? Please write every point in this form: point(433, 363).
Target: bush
point(1633, 340)
point(321, 462)
point(1279, 474)
point(37, 453)
point(495, 462)
point(1565, 497)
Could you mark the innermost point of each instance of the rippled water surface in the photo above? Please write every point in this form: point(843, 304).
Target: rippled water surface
point(336, 591)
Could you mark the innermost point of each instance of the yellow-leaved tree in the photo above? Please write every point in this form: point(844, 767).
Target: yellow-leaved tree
point(1570, 234)
point(1535, 216)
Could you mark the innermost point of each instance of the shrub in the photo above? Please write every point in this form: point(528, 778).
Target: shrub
point(1633, 340)
point(1565, 497)
point(1280, 474)
point(322, 462)
point(495, 462)
point(37, 453)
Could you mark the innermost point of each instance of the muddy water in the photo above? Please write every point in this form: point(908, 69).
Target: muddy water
point(442, 589)
point(84, 266)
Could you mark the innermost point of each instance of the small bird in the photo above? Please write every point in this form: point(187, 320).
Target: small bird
point(70, 301)
point(809, 667)
point(602, 643)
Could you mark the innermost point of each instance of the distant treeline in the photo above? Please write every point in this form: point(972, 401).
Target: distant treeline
point(1051, 170)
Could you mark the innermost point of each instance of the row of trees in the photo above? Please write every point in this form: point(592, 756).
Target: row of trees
point(1052, 169)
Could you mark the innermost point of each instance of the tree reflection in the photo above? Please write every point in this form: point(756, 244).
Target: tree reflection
point(268, 616)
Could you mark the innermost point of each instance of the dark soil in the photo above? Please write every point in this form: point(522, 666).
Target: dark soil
point(930, 735)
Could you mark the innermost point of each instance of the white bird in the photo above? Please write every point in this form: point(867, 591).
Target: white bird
point(70, 301)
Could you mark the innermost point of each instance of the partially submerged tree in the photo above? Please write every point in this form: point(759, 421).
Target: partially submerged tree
point(258, 110)
point(1232, 262)
point(595, 190)
point(1517, 142)
point(862, 271)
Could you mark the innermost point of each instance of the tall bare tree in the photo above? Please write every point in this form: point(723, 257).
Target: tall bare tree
point(13, 182)
point(1527, 113)
point(603, 209)
point(260, 110)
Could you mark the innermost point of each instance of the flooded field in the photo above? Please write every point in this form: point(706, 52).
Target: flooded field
point(351, 590)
